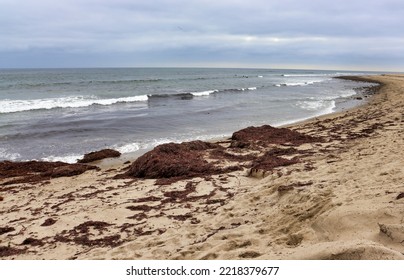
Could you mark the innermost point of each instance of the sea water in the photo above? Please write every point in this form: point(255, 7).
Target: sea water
point(60, 114)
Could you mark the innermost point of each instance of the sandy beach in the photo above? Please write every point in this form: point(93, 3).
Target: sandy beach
point(327, 188)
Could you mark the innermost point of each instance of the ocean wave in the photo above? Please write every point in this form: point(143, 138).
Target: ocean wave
point(237, 89)
point(12, 106)
point(204, 93)
point(187, 95)
point(67, 158)
point(310, 75)
point(335, 74)
point(323, 104)
point(319, 106)
point(128, 148)
point(305, 75)
point(341, 94)
point(190, 95)
point(127, 81)
point(295, 84)
point(347, 93)
point(183, 95)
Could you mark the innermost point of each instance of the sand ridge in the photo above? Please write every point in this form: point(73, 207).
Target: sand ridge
point(339, 200)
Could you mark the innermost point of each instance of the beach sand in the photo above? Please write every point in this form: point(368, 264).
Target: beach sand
point(338, 194)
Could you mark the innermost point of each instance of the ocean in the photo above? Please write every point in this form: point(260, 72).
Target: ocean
point(61, 114)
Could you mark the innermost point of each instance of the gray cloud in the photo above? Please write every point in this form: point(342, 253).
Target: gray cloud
point(357, 33)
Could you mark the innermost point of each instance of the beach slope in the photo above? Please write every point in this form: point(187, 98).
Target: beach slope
point(328, 188)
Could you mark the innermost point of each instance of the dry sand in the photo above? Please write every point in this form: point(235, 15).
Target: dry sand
point(342, 200)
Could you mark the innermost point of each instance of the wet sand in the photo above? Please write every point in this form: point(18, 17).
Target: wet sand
point(327, 188)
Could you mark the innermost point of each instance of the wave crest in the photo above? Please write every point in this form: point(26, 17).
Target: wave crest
point(12, 106)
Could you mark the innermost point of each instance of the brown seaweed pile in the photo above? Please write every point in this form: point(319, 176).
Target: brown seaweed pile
point(98, 155)
point(36, 171)
point(7, 229)
point(267, 134)
point(268, 162)
point(6, 251)
point(202, 159)
point(82, 234)
point(173, 160)
point(10, 169)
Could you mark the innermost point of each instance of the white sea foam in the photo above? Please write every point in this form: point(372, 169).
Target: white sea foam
point(300, 83)
point(67, 158)
point(347, 93)
point(160, 141)
point(7, 155)
point(321, 76)
point(293, 84)
point(145, 146)
point(11, 106)
point(260, 76)
point(324, 104)
point(317, 75)
point(250, 88)
point(72, 158)
point(203, 93)
point(128, 148)
point(208, 92)
point(321, 106)
point(341, 94)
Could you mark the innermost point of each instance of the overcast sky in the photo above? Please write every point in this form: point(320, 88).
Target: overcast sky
point(324, 34)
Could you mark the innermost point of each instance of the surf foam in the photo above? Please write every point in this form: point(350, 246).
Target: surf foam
point(12, 106)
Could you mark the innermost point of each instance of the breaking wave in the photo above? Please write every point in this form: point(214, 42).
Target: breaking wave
point(295, 84)
point(12, 106)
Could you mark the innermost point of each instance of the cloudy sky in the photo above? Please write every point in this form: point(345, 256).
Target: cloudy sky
point(324, 34)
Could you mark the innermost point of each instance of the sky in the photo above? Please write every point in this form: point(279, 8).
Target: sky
point(315, 34)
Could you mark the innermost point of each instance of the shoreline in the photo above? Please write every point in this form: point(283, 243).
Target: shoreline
point(338, 198)
point(214, 125)
point(366, 96)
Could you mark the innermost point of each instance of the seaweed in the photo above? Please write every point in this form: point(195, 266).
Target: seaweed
point(98, 155)
point(48, 222)
point(267, 134)
point(6, 229)
point(10, 251)
point(37, 171)
point(175, 162)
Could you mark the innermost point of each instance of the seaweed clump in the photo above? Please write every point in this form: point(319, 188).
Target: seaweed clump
point(268, 162)
point(98, 155)
point(36, 171)
point(266, 134)
point(6, 251)
point(179, 161)
point(6, 229)
point(81, 234)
